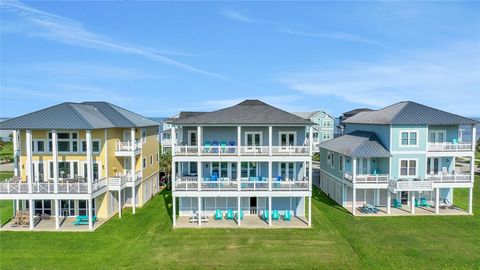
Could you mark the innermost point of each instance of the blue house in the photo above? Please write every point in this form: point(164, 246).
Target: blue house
point(399, 159)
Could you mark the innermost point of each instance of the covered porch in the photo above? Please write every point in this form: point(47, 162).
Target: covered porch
point(66, 224)
point(248, 222)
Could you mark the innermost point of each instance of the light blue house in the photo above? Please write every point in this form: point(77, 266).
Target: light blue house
point(323, 128)
point(404, 156)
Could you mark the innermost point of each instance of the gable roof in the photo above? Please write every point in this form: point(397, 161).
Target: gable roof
point(182, 115)
point(246, 112)
point(86, 115)
point(310, 115)
point(359, 143)
point(409, 113)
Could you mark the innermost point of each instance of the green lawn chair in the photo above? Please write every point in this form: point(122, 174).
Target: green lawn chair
point(287, 216)
point(397, 203)
point(275, 215)
point(241, 215)
point(218, 214)
point(229, 214)
point(423, 203)
point(223, 147)
point(265, 215)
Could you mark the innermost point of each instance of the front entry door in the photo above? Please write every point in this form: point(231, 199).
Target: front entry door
point(253, 205)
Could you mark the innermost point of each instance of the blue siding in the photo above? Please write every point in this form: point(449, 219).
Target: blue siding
point(382, 131)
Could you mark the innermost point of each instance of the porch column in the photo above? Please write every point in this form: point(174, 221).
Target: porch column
point(474, 138)
point(354, 200)
point(90, 221)
point(310, 211)
point(199, 211)
point(354, 170)
point(472, 168)
point(133, 169)
point(437, 200)
point(172, 180)
point(199, 175)
point(174, 140)
point(29, 167)
point(239, 140)
point(88, 136)
point(57, 215)
point(310, 140)
point(470, 200)
point(269, 210)
point(412, 206)
point(270, 136)
point(30, 212)
point(120, 203)
point(17, 205)
point(389, 201)
point(304, 170)
point(199, 140)
point(174, 211)
point(377, 197)
point(55, 159)
point(270, 175)
point(239, 217)
point(310, 174)
point(239, 176)
point(15, 153)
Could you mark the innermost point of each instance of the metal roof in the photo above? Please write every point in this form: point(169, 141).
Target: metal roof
point(359, 143)
point(246, 112)
point(409, 113)
point(86, 115)
point(310, 115)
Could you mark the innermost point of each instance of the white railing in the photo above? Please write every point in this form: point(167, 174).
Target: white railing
point(367, 178)
point(128, 146)
point(185, 150)
point(290, 185)
point(253, 185)
point(190, 183)
point(69, 187)
point(254, 150)
point(99, 184)
point(217, 150)
point(449, 147)
point(410, 185)
point(219, 185)
point(449, 178)
point(186, 185)
point(291, 150)
point(13, 187)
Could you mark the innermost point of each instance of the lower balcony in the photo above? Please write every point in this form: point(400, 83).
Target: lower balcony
point(410, 185)
point(367, 178)
point(190, 183)
point(449, 178)
point(64, 186)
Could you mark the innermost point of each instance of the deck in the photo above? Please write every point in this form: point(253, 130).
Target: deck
point(405, 211)
point(66, 225)
point(248, 222)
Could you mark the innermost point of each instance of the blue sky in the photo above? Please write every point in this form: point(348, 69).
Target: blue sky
point(158, 58)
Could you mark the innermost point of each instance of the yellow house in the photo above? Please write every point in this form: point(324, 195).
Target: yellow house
point(106, 158)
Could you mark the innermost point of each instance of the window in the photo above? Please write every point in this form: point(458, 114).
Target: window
point(67, 141)
point(144, 135)
point(38, 146)
point(144, 163)
point(408, 138)
point(95, 146)
point(192, 137)
point(151, 160)
point(64, 169)
point(315, 135)
point(330, 159)
point(287, 138)
point(223, 169)
point(248, 169)
point(253, 138)
point(327, 123)
point(327, 135)
point(158, 157)
point(340, 163)
point(408, 167)
point(192, 167)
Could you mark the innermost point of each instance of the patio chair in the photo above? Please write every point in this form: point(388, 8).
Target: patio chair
point(229, 214)
point(215, 147)
point(372, 208)
point(231, 147)
point(287, 216)
point(275, 215)
point(265, 215)
point(206, 146)
point(223, 146)
point(241, 215)
point(397, 203)
point(423, 203)
point(364, 209)
point(218, 214)
point(213, 177)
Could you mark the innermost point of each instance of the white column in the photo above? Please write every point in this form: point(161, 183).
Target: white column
point(310, 174)
point(270, 136)
point(354, 201)
point(199, 140)
point(88, 136)
point(90, 222)
point(310, 140)
point(269, 210)
point(31, 210)
point(55, 159)
point(15, 152)
point(270, 175)
point(239, 140)
point(472, 168)
point(120, 204)
point(199, 175)
point(28, 147)
point(133, 169)
point(377, 197)
point(354, 170)
point(437, 200)
point(174, 140)
point(174, 211)
point(304, 170)
point(199, 211)
point(474, 137)
point(412, 206)
point(105, 141)
point(239, 176)
point(470, 200)
point(173, 174)
point(389, 201)
point(310, 211)
point(17, 205)
point(239, 218)
point(57, 214)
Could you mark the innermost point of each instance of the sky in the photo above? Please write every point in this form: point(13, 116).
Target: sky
point(158, 58)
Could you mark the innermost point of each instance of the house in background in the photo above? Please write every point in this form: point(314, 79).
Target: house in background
point(340, 126)
point(84, 160)
point(166, 130)
point(248, 160)
point(404, 158)
point(323, 128)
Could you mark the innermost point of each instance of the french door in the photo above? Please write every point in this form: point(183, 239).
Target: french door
point(287, 170)
point(436, 136)
point(287, 139)
point(253, 140)
point(433, 165)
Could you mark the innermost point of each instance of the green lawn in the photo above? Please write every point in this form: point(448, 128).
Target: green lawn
point(6, 151)
point(337, 240)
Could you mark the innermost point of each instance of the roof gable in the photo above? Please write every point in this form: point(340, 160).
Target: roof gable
point(359, 143)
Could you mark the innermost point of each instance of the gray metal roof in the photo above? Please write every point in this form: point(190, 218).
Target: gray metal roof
point(359, 143)
point(246, 112)
point(310, 115)
point(409, 113)
point(86, 115)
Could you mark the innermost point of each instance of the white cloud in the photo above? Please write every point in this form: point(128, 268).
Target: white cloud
point(237, 16)
point(448, 79)
point(37, 23)
point(343, 36)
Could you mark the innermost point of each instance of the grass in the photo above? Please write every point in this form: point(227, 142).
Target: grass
point(6, 151)
point(336, 241)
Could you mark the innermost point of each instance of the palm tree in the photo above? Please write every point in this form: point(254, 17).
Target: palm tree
point(165, 164)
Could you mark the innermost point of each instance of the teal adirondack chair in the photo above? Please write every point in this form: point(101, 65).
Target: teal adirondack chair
point(265, 215)
point(423, 203)
point(229, 214)
point(275, 215)
point(287, 216)
point(241, 215)
point(397, 203)
point(218, 214)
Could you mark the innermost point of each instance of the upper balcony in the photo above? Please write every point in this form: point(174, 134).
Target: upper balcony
point(367, 178)
point(410, 185)
point(231, 150)
point(127, 148)
point(64, 186)
point(449, 147)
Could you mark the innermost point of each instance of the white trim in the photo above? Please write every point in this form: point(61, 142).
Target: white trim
point(253, 133)
point(341, 160)
point(280, 133)
point(35, 146)
point(80, 150)
point(408, 167)
point(287, 170)
point(189, 137)
point(330, 161)
point(436, 132)
point(408, 138)
point(70, 140)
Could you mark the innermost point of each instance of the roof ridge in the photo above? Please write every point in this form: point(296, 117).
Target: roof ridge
point(78, 114)
point(128, 120)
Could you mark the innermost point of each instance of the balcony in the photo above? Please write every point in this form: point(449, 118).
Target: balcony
point(449, 147)
point(367, 178)
point(69, 186)
point(190, 183)
point(410, 185)
point(244, 150)
point(126, 148)
point(449, 178)
point(122, 179)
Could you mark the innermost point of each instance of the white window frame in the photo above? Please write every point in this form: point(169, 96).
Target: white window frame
point(444, 132)
point(330, 159)
point(35, 146)
point(93, 140)
point(408, 138)
point(325, 121)
point(144, 163)
point(64, 140)
point(294, 173)
point(189, 168)
point(326, 137)
point(80, 168)
point(341, 163)
point(280, 133)
point(239, 170)
point(408, 167)
point(144, 135)
point(189, 138)
point(253, 133)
